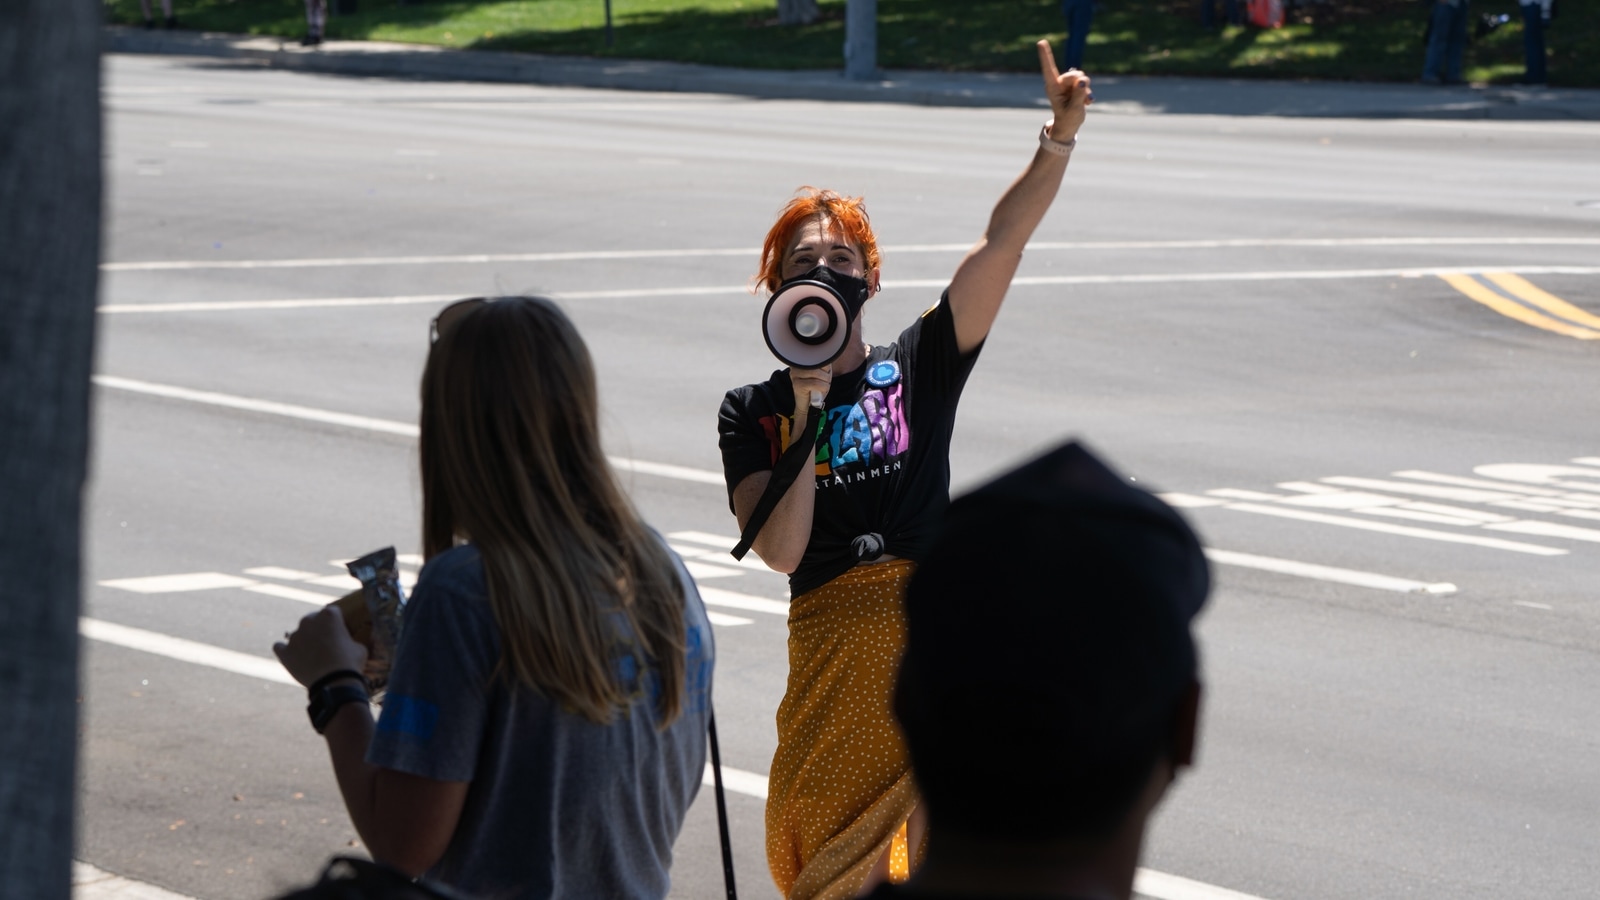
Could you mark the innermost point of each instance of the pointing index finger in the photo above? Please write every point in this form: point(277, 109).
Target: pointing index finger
point(1047, 67)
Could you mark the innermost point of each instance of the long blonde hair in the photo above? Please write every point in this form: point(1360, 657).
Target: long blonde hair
point(511, 460)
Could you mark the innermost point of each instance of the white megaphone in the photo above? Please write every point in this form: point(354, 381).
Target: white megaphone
point(808, 322)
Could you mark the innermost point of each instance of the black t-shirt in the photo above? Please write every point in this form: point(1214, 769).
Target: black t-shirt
point(883, 465)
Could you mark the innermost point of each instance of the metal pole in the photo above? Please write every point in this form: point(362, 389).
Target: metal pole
point(611, 37)
point(861, 39)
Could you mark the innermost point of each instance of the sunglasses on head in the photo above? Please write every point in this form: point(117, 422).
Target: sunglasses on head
point(450, 315)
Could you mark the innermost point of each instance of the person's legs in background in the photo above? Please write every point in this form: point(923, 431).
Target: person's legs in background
point(1079, 15)
point(1438, 36)
point(1533, 43)
point(1457, 47)
point(316, 18)
point(171, 21)
point(1447, 39)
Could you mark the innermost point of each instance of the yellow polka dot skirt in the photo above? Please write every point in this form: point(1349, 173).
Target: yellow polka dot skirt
point(840, 787)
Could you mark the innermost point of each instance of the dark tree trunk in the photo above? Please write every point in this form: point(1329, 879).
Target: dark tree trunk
point(49, 256)
point(797, 12)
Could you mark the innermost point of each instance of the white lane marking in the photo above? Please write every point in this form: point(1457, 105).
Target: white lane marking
point(91, 883)
point(720, 597)
point(408, 559)
point(292, 593)
point(344, 582)
point(1465, 495)
point(186, 651)
point(1238, 494)
point(719, 541)
point(1405, 530)
point(1435, 477)
point(1307, 487)
point(666, 470)
point(706, 570)
point(1460, 512)
point(592, 255)
point(726, 620)
point(923, 283)
point(1533, 473)
point(738, 781)
point(1531, 605)
point(1328, 573)
point(1588, 460)
point(234, 305)
point(176, 584)
point(1162, 886)
point(1547, 529)
point(1276, 275)
point(721, 558)
point(1415, 515)
point(280, 573)
point(1337, 499)
point(1189, 501)
point(289, 410)
point(365, 423)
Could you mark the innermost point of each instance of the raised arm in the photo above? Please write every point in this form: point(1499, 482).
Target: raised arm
point(980, 282)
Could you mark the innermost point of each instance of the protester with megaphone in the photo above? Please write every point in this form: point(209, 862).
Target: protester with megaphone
point(838, 469)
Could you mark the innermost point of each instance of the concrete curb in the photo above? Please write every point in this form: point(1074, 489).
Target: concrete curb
point(1126, 95)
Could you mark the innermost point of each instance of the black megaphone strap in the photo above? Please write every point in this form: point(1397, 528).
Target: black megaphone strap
point(789, 466)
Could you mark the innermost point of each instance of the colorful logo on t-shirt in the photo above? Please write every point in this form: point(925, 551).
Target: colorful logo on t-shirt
point(860, 441)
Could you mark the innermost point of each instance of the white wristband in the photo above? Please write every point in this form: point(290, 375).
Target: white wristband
point(1049, 145)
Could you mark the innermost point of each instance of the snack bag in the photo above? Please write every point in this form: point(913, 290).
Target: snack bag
point(373, 614)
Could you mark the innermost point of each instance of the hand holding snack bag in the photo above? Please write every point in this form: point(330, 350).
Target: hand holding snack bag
point(373, 614)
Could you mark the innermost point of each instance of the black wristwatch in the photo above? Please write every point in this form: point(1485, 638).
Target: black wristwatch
point(327, 698)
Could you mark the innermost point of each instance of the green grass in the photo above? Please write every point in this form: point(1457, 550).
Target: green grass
point(1369, 40)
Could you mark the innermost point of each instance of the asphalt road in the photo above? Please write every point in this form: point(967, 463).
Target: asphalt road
point(1359, 742)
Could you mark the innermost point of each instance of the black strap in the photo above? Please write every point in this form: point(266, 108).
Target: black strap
point(335, 675)
point(790, 465)
point(722, 812)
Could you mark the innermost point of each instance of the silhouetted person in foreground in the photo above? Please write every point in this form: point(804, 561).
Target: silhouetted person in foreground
point(1050, 689)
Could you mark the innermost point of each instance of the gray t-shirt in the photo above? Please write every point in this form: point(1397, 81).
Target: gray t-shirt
point(558, 806)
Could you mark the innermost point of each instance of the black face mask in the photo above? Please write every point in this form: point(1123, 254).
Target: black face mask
point(852, 290)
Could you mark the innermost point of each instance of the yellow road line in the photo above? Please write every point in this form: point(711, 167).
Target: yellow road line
point(1514, 310)
point(1521, 287)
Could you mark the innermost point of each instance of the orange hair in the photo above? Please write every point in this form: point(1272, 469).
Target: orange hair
point(848, 213)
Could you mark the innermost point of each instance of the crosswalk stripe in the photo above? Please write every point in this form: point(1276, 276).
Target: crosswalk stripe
point(184, 650)
point(1328, 573)
point(720, 597)
point(91, 883)
point(292, 593)
point(1404, 530)
point(1161, 886)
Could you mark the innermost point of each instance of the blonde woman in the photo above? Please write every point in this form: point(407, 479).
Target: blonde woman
point(842, 808)
point(544, 730)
